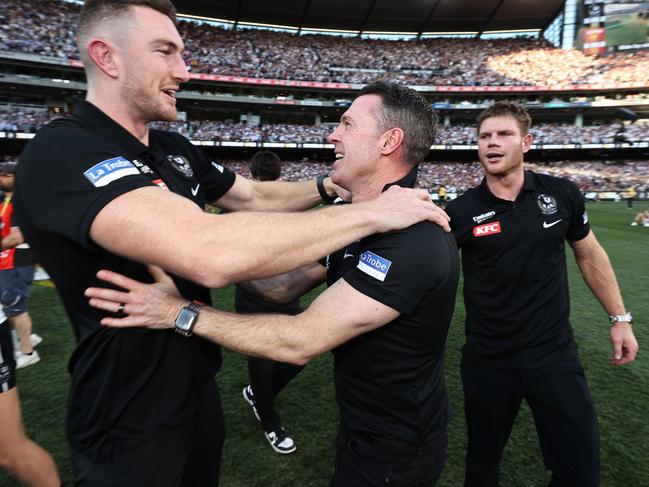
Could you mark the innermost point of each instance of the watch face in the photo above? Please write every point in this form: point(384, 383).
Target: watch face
point(186, 319)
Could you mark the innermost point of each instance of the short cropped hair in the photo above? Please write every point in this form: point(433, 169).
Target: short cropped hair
point(507, 109)
point(406, 109)
point(265, 166)
point(94, 12)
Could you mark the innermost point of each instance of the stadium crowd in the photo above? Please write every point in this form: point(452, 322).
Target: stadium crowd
point(23, 120)
point(458, 177)
point(46, 28)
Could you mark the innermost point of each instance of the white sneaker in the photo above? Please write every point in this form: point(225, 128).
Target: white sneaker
point(40, 274)
point(35, 339)
point(280, 441)
point(24, 360)
point(634, 224)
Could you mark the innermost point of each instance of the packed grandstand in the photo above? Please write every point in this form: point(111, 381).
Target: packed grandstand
point(49, 31)
point(247, 54)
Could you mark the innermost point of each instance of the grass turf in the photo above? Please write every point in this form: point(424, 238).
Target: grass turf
point(309, 411)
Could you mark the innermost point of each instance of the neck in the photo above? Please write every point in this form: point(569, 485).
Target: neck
point(371, 187)
point(506, 186)
point(110, 104)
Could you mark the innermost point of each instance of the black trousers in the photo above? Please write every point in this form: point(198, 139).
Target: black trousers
point(369, 461)
point(563, 412)
point(186, 455)
point(267, 379)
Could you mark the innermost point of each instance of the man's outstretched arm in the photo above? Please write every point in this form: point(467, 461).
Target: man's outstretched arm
point(337, 315)
point(598, 274)
point(154, 226)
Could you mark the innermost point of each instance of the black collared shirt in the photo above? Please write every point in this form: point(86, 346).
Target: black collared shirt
point(390, 381)
point(126, 384)
point(514, 268)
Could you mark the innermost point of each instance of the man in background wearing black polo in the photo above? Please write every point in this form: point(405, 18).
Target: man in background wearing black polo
point(385, 313)
point(267, 377)
point(512, 231)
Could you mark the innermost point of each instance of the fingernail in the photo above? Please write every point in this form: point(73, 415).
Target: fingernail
point(618, 357)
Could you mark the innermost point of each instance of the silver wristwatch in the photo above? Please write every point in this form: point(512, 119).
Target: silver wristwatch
point(187, 318)
point(621, 318)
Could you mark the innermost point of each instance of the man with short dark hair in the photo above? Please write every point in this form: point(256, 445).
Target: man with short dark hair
point(100, 189)
point(512, 231)
point(385, 313)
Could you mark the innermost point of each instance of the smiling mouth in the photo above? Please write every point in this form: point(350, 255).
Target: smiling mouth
point(339, 155)
point(170, 93)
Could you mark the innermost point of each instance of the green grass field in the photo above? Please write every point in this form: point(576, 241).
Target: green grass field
point(310, 414)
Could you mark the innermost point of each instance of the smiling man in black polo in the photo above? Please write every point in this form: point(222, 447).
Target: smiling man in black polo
point(386, 312)
point(512, 231)
point(99, 189)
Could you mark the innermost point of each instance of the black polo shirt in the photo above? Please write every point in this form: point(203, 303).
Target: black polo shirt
point(126, 384)
point(390, 381)
point(514, 268)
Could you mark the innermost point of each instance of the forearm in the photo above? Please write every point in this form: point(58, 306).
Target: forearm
point(288, 286)
point(277, 337)
point(285, 196)
point(13, 239)
point(598, 274)
point(259, 245)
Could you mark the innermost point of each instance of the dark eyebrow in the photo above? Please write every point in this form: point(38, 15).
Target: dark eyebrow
point(170, 44)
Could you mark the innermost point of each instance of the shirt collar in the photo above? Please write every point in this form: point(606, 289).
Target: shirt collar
point(408, 181)
point(529, 184)
point(98, 122)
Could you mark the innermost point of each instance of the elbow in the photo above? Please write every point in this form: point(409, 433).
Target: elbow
point(212, 275)
point(297, 357)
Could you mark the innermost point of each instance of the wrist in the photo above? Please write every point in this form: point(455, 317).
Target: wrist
point(187, 318)
point(321, 182)
point(623, 318)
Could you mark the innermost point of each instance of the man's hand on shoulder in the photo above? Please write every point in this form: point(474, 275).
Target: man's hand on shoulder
point(399, 208)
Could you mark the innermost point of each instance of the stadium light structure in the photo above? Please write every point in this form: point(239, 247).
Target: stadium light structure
point(206, 19)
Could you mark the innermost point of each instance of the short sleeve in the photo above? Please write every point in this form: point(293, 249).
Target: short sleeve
point(400, 268)
point(216, 178)
point(579, 224)
point(66, 176)
point(461, 231)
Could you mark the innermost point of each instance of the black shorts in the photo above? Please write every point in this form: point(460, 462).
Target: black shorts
point(7, 360)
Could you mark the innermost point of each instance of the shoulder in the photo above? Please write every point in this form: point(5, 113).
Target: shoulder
point(558, 185)
point(61, 140)
point(172, 140)
point(462, 206)
point(418, 242)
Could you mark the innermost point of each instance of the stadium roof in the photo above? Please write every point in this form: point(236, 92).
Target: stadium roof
point(412, 16)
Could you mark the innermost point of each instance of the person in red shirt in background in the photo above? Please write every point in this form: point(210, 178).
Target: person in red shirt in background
point(16, 273)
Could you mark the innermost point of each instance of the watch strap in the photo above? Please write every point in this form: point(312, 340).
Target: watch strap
point(625, 318)
point(323, 192)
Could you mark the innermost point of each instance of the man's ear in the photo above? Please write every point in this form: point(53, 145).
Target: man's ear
point(102, 52)
point(527, 143)
point(391, 140)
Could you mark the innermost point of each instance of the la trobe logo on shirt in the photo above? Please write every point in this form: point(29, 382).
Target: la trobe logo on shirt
point(374, 265)
point(110, 170)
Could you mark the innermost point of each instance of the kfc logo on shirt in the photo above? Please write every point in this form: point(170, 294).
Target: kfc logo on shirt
point(486, 229)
